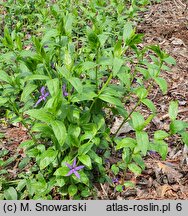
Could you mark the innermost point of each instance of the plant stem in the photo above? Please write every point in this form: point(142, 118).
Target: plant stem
point(96, 70)
point(102, 89)
point(137, 104)
point(22, 121)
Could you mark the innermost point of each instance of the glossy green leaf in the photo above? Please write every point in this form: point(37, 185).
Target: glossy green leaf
point(88, 65)
point(62, 171)
point(159, 135)
point(161, 147)
point(119, 188)
point(125, 142)
point(10, 194)
point(84, 148)
point(47, 157)
point(9, 42)
point(135, 169)
point(86, 160)
point(117, 63)
point(36, 77)
point(162, 84)
point(72, 190)
point(184, 136)
point(27, 90)
point(110, 99)
point(170, 60)
point(5, 77)
point(40, 114)
point(3, 101)
point(85, 193)
point(149, 104)
point(127, 32)
point(53, 86)
point(59, 130)
point(141, 93)
point(118, 49)
point(50, 33)
point(115, 169)
point(173, 110)
point(142, 141)
point(76, 83)
point(95, 157)
point(139, 160)
point(178, 126)
point(138, 121)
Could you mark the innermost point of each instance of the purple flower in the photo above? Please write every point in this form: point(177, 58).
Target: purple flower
point(43, 96)
point(115, 180)
point(73, 169)
point(65, 93)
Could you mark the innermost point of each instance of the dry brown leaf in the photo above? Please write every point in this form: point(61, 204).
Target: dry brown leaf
point(162, 190)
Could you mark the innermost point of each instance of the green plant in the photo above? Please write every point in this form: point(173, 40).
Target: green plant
point(61, 89)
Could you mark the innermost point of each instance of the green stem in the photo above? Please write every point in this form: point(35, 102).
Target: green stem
point(96, 70)
point(102, 89)
point(22, 120)
point(138, 103)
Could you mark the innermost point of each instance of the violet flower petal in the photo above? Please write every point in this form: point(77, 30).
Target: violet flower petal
point(38, 102)
point(65, 93)
point(64, 87)
point(69, 166)
point(42, 90)
point(77, 174)
point(70, 172)
point(46, 94)
point(78, 167)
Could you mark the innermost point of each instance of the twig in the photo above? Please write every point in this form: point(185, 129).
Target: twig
point(104, 190)
point(167, 115)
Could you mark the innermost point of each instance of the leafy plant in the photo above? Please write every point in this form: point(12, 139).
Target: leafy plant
point(58, 83)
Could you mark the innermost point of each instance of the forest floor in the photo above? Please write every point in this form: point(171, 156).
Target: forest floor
point(165, 24)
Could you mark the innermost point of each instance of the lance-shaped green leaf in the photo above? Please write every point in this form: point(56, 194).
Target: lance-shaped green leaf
point(72, 190)
point(134, 168)
point(173, 110)
point(41, 114)
point(36, 77)
point(86, 160)
point(117, 63)
point(110, 99)
point(138, 121)
point(53, 86)
point(178, 126)
point(142, 141)
point(83, 149)
point(10, 194)
point(161, 147)
point(139, 160)
point(59, 130)
point(149, 104)
point(76, 83)
point(141, 93)
point(28, 89)
point(162, 84)
point(125, 142)
point(170, 60)
point(128, 31)
point(47, 157)
point(7, 38)
point(118, 49)
point(159, 135)
point(3, 101)
point(88, 65)
point(5, 77)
